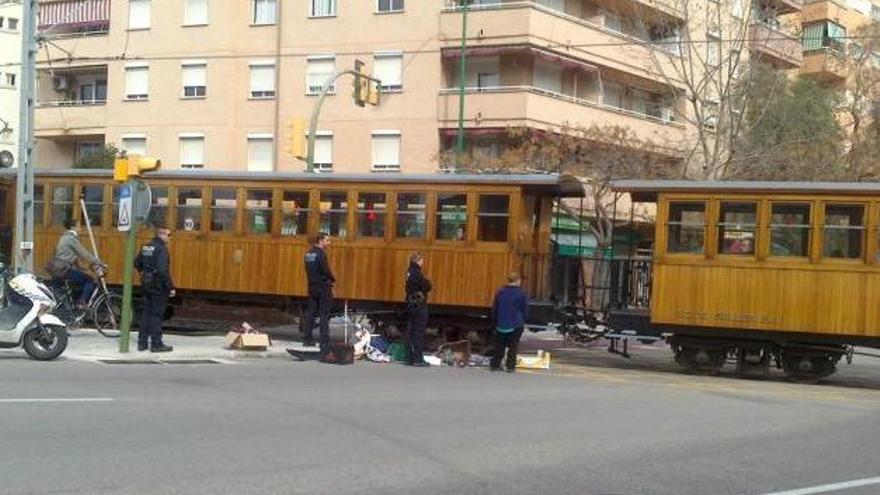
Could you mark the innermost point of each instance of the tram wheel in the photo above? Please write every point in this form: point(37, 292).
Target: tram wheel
point(808, 368)
point(701, 360)
point(753, 363)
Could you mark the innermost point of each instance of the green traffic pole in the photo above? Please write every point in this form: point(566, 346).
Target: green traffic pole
point(462, 69)
point(128, 275)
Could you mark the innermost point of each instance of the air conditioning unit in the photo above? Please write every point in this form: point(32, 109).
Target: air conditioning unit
point(60, 83)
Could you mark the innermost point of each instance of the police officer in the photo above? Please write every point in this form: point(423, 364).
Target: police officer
point(154, 265)
point(417, 288)
point(321, 282)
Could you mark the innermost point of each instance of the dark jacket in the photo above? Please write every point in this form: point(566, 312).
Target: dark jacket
point(154, 265)
point(510, 307)
point(318, 270)
point(417, 285)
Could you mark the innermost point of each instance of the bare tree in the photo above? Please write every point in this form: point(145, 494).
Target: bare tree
point(860, 107)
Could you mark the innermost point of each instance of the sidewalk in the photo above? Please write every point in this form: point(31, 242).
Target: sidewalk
point(89, 345)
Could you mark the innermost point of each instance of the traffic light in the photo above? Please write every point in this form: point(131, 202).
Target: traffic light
point(125, 167)
point(298, 138)
point(361, 83)
point(373, 95)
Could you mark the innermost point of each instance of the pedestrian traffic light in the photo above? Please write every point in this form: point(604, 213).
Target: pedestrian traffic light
point(298, 138)
point(126, 167)
point(361, 83)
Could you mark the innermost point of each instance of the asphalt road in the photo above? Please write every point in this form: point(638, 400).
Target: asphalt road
point(595, 424)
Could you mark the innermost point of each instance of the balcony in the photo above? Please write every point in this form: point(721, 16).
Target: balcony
point(825, 65)
point(532, 23)
point(63, 18)
point(775, 47)
point(513, 106)
point(71, 101)
point(781, 7)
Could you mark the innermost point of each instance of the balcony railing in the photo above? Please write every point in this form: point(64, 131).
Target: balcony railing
point(662, 115)
point(74, 17)
point(70, 103)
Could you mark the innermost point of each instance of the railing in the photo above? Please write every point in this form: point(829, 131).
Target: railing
point(563, 97)
point(630, 283)
point(70, 103)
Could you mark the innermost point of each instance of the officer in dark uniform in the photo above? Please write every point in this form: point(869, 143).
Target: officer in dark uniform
point(154, 265)
point(417, 288)
point(321, 282)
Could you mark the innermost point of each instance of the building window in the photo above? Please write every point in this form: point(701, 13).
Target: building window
point(264, 12)
point(612, 95)
point(194, 76)
point(322, 8)
point(492, 217)
point(12, 24)
point(547, 76)
point(823, 35)
point(195, 13)
point(93, 91)
point(482, 72)
point(411, 215)
point(323, 151)
point(386, 151)
point(294, 213)
point(258, 211)
point(790, 229)
point(192, 151)
point(263, 80)
point(189, 209)
point(710, 114)
point(451, 217)
point(371, 210)
point(134, 144)
point(388, 68)
point(844, 231)
point(320, 68)
point(138, 14)
point(713, 50)
point(390, 6)
point(137, 82)
point(85, 149)
point(260, 152)
point(333, 219)
point(686, 227)
point(10, 79)
point(737, 225)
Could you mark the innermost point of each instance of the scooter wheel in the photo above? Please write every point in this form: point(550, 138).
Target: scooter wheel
point(46, 343)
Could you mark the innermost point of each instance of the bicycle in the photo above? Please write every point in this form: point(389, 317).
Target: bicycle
point(104, 308)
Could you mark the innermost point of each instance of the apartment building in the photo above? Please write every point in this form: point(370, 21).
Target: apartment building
point(215, 83)
point(10, 57)
point(829, 38)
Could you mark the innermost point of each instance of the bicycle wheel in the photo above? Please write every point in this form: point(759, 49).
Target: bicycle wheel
point(107, 314)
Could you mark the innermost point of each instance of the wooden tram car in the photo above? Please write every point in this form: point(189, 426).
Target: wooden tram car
point(243, 235)
point(763, 271)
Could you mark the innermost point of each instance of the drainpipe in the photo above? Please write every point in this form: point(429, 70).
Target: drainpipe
point(277, 122)
point(462, 68)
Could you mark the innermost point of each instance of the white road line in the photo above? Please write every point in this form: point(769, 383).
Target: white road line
point(810, 490)
point(74, 399)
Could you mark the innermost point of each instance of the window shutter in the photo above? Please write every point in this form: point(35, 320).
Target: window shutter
point(260, 154)
point(192, 151)
point(138, 14)
point(262, 78)
point(196, 12)
point(386, 151)
point(388, 68)
point(136, 82)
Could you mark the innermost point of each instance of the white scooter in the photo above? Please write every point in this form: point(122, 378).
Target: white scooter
point(25, 318)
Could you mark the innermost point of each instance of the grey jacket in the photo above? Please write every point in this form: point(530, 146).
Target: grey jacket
point(70, 249)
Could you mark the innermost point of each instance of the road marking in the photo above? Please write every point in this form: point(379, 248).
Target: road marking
point(74, 399)
point(833, 487)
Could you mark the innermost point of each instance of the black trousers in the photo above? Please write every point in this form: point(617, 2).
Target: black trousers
point(318, 305)
point(416, 324)
point(152, 316)
point(509, 341)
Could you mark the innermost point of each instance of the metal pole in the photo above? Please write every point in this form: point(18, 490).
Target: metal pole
point(316, 112)
point(24, 202)
point(462, 69)
point(128, 272)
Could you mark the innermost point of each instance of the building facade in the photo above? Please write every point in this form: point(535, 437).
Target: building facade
point(10, 58)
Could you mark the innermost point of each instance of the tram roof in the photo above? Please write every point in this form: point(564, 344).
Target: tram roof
point(647, 190)
point(556, 184)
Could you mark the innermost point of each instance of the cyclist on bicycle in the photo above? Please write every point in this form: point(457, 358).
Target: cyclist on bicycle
point(67, 253)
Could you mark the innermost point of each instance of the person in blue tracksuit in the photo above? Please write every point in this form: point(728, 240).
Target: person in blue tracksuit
point(509, 310)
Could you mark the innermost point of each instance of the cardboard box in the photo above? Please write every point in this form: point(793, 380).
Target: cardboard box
point(251, 341)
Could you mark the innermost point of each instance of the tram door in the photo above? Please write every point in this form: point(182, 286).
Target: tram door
point(533, 246)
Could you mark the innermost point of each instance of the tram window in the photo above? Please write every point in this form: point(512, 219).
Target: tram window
point(371, 210)
point(189, 209)
point(334, 209)
point(93, 197)
point(492, 218)
point(159, 208)
point(294, 213)
point(737, 224)
point(259, 211)
point(62, 205)
point(223, 207)
point(790, 229)
point(38, 205)
point(844, 226)
point(451, 217)
point(686, 227)
point(411, 215)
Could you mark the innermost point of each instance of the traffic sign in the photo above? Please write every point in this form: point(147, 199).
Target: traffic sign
point(124, 220)
point(143, 199)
